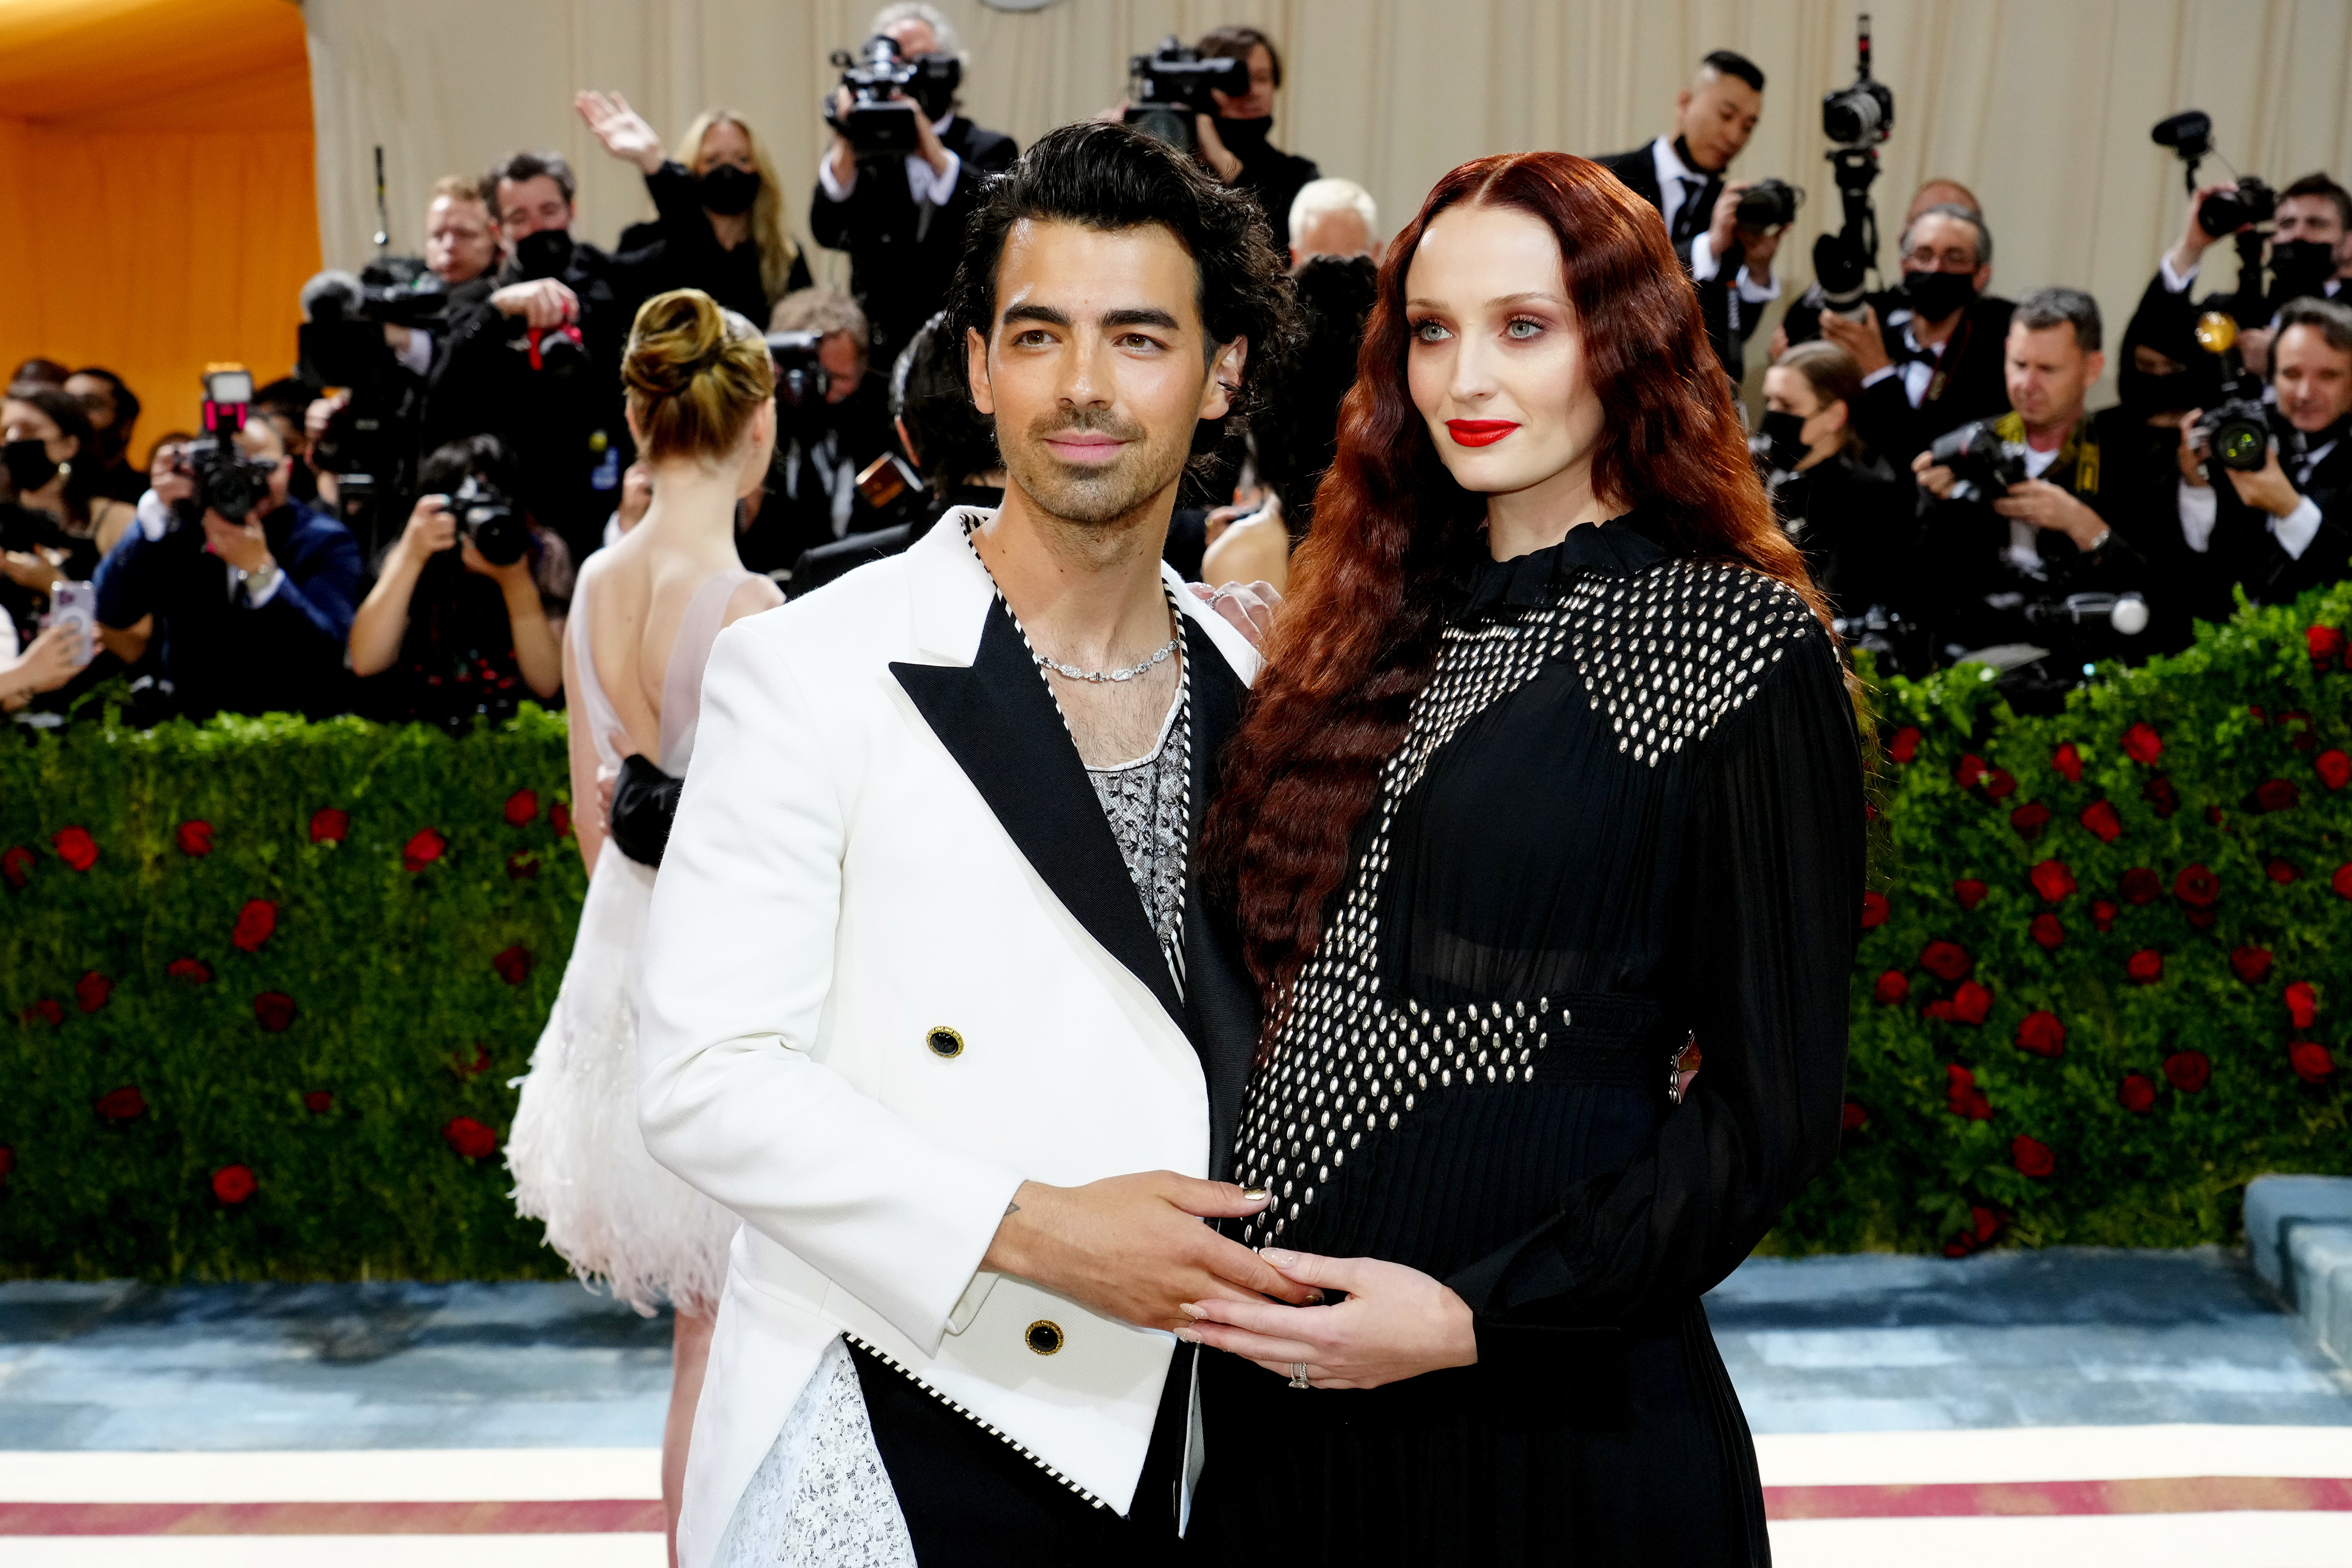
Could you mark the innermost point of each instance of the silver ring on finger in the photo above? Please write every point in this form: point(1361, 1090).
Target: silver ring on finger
point(1299, 1376)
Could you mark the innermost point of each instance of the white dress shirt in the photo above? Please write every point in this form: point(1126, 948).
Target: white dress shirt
point(2024, 552)
point(2200, 509)
point(1679, 182)
point(1917, 374)
point(922, 183)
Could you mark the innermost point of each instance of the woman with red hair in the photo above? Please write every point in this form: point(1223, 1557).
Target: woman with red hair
point(1551, 784)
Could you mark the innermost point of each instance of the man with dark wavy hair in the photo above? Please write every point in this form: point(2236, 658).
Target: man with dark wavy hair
point(932, 999)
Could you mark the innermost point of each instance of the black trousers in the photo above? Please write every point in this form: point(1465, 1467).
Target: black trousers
point(972, 1500)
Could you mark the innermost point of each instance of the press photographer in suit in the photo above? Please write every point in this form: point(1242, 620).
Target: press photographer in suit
point(1233, 140)
point(902, 218)
point(1682, 176)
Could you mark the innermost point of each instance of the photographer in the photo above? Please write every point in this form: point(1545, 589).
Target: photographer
point(2309, 255)
point(113, 410)
point(901, 217)
point(1931, 351)
point(1682, 176)
point(2025, 513)
point(537, 362)
point(721, 228)
point(1333, 217)
point(1843, 506)
point(461, 246)
point(2287, 527)
point(462, 621)
point(823, 442)
point(1233, 142)
point(253, 612)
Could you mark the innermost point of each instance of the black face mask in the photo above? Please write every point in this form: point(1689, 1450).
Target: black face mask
point(1785, 433)
point(1936, 295)
point(2144, 392)
point(1243, 137)
point(544, 254)
point(28, 463)
point(2301, 266)
point(726, 189)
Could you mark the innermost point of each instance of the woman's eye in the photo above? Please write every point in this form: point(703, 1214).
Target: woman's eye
point(1429, 332)
point(1524, 328)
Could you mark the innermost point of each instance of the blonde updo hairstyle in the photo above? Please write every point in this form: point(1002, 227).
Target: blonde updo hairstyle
point(695, 374)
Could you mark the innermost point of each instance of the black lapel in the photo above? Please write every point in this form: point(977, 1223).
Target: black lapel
point(1219, 994)
point(999, 723)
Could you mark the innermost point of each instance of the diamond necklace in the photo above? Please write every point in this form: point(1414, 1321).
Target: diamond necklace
point(1047, 661)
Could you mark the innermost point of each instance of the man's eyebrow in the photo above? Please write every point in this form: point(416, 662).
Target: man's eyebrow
point(1141, 316)
point(1044, 313)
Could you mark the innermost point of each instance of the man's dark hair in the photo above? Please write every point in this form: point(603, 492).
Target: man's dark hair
point(448, 466)
point(1731, 63)
point(1234, 42)
point(931, 394)
point(2048, 306)
point(2321, 186)
point(2329, 317)
point(1110, 178)
point(522, 166)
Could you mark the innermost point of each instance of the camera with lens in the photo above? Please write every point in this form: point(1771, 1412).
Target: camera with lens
point(1983, 465)
point(1168, 87)
point(227, 481)
point(887, 89)
point(801, 380)
point(2225, 212)
point(2235, 431)
point(1768, 203)
point(490, 520)
point(1856, 117)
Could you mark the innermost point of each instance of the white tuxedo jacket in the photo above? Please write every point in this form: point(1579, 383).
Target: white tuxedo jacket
point(896, 966)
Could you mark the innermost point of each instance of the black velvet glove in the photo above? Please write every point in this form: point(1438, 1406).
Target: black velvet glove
point(645, 802)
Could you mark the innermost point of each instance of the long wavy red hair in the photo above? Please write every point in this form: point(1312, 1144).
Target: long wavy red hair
point(1357, 636)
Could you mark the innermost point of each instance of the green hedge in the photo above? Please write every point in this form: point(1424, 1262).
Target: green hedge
point(320, 1015)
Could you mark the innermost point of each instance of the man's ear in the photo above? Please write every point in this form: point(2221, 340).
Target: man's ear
point(1224, 379)
point(1984, 278)
point(2095, 365)
point(975, 369)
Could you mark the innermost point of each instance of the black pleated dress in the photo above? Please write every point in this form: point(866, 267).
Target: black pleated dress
point(1628, 815)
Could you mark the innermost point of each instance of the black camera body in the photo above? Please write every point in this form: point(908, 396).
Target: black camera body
point(1983, 465)
point(2236, 431)
point(227, 481)
point(1860, 114)
point(1768, 203)
point(2225, 212)
point(886, 91)
point(801, 380)
point(485, 516)
point(1168, 87)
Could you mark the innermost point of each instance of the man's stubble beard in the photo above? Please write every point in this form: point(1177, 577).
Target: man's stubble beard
point(1094, 496)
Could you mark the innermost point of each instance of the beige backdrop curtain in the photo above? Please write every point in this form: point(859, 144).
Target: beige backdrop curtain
point(2042, 109)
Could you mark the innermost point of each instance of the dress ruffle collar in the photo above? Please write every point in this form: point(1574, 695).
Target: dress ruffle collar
point(1618, 548)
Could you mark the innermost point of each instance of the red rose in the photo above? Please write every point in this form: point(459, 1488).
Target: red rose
point(470, 1138)
point(1960, 1087)
point(274, 1010)
point(2142, 744)
point(2303, 1003)
point(232, 1184)
point(91, 990)
point(2311, 1061)
point(318, 1101)
point(2047, 931)
point(1970, 892)
point(2324, 642)
point(1852, 1118)
point(1971, 768)
point(2137, 1093)
point(2103, 914)
point(2068, 762)
point(2029, 818)
point(2040, 1033)
point(2276, 795)
point(423, 850)
point(2140, 886)
point(2146, 967)
point(1983, 1224)
point(1873, 910)
point(45, 1011)
point(513, 964)
point(2254, 711)
point(2305, 737)
point(2280, 871)
point(1971, 1003)
point(2197, 887)
point(2335, 768)
point(329, 826)
point(255, 922)
point(121, 1104)
point(2053, 880)
point(2031, 1155)
point(17, 865)
point(196, 838)
point(1904, 744)
point(2158, 792)
point(522, 867)
point(2189, 1069)
point(2102, 820)
point(8, 1162)
point(76, 848)
point(2000, 784)
point(559, 817)
point(1945, 960)
point(2213, 816)
point(195, 969)
point(1893, 987)
point(2251, 964)
point(523, 806)
point(2202, 919)
point(2342, 881)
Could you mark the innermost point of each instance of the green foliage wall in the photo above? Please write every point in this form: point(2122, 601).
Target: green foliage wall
point(264, 983)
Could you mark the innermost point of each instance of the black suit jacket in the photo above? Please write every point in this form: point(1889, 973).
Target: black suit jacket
point(1638, 171)
point(903, 255)
point(2244, 550)
point(1972, 386)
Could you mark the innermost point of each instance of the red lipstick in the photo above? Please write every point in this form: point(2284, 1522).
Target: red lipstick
point(1479, 432)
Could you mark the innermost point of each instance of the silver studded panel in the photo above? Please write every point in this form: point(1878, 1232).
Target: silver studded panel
point(1664, 656)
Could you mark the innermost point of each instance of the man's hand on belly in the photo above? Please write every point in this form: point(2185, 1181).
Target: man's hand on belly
point(1134, 1248)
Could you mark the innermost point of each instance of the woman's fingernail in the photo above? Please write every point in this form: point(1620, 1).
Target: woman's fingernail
point(1254, 1195)
point(1190, 1336)
point(1278, 1257)
point(1190, 1310)
point(1314, 1298)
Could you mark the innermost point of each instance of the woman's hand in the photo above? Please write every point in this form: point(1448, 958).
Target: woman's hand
point(1248, 607)
point(1397, 1322)
point(622, 129)
point(432, 529)
point(54, 657)
point(35, 569)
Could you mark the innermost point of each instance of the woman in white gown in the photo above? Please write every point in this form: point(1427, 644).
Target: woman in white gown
point(699, 388)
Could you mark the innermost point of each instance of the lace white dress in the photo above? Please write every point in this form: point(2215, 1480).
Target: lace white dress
point(578, 1160)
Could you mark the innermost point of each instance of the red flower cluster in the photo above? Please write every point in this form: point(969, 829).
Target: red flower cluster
point(2303, 1003)
point(1853, 1118)
point(2052, 880)
point(2142, 744)
point(469, 1138)
point(2041, 1034)
point(2189, 1069)
point(1904, 744)
point(76, 848)
point(2311, 1061)
point(1971, 769)
point(522, 867)
point(2068, 762)
point(255, 923)
point(2138, 1094)
point(91, 991)
point(192, 969)
point(2342, 881)
point(233, 1184)
point(2324, 642)
point(2196, 887)
point(2103, 914)
point(2140, 886)
point(2335, 768)
point(7, 1162)
point(1967, 1101)
point(2280, 872)
point(2047, 930)
point(318, 1101)
point(17, 865)
point(1893, 987)
point(559, 817)
point(513, 964)
point(2029, 818)
point(2276, 795)
point(2251, 965)
point(2031, 1155)
point(44, 1010)
point(2160, 793)
point(2144, 966)
point(2102, 820)
point(123, 1105)
point(1945, 960)
point(2000, 784)
point(195, 838)
point(422, 849)
point(1971, 1004)
point(1970, 892)
point(1874, 910)
point(274, 1010)
point(329, 826)
point(522, 807)
point(1983, 1226)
